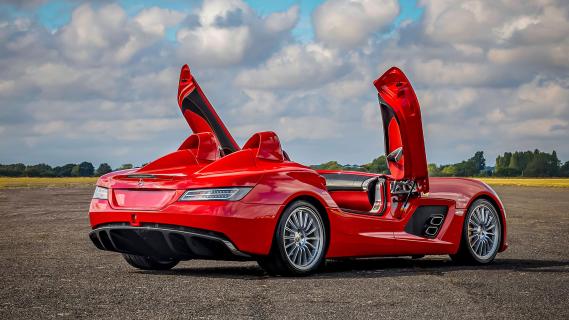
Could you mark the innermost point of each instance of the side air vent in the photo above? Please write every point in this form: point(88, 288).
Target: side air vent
point(427, 221)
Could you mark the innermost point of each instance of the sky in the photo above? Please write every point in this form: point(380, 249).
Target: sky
point(97, 81)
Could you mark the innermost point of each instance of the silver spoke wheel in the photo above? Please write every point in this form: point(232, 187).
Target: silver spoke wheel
point(303, 238)
point(483, 231)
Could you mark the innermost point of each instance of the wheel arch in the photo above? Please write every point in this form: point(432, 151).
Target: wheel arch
point(321, 210)
point(501, 214)
point(319, 204)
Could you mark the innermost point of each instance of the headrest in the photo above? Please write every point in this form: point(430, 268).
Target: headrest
point(203, 145)
point(267, 145)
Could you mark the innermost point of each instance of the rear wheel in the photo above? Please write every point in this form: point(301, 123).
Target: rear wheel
point(299, 243)
point(481, 234)
point(149, 263)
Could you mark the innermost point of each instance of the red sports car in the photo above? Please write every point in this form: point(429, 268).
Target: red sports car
point(212, 199)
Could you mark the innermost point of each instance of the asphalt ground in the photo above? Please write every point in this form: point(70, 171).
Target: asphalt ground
point(49, 269)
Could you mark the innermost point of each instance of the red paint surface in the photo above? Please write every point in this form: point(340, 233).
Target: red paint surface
point(187, 84)
point(395, 89)
point(250, 223)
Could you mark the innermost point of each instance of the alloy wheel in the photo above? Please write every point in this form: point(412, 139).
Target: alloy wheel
point(483, 231)
point(303, 238)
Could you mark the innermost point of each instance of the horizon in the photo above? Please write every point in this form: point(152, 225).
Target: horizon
point(138, 165)
point(98, 80)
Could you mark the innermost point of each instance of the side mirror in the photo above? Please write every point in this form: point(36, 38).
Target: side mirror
point(395, 155)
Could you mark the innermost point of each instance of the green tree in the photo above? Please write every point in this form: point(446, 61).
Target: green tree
point(330, 165)
point(103, 168)
point(434, 171)
point(65, 170)
point(12, 170)
point(75, 171)
point(553, 165)
point(514, 162)
point(377, 165)
point(536, 167)
point(449, 171)
point(528, 163)
point(508, 172)
point(564, 170)
point(39, 170)
point(502, 162)
point(478, 161)
point(86, 169)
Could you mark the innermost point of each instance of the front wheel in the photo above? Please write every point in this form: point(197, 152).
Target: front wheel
point(299, 243)
point(149, 263)
point(481, 234)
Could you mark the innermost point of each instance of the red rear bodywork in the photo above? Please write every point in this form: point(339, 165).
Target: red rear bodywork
point(366, 214)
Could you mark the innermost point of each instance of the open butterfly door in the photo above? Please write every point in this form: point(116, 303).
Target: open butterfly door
point(199, 113)
point(403, 129)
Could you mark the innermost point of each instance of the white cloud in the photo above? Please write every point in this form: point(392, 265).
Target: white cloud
point(348, 23)
point(507, 30)
point(371, 116)
point(107, 35)
point(92, 33)
point(155, 20)
point(102, 87)
point(291, 128)
point(438, 71)
point(439, 102)
point(294, 67)
point(539, 98)
point(213, 11)
point(230, 32)
point(7, 87)
point(540, 128)
point(260, 103)
point(510, 31)
point(135, 129)
point(282, 21)
point(214, 45)
point(308, 127)
point(458, 21)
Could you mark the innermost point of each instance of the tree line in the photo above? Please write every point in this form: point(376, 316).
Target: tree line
point(531, 164)
point(510, 164)
point(83, 169)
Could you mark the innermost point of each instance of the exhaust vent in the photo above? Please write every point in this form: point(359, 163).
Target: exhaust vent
point(427, 221)
point(431, 231)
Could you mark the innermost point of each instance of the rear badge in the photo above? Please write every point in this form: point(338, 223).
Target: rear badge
point(140, 183)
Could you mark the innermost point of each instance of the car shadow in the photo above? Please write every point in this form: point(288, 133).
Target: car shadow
point(373, 268)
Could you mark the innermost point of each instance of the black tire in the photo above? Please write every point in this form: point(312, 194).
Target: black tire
point(466, 254)
point(278, 262)
point(149, 263)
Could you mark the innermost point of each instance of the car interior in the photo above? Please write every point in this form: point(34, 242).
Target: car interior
point(357, 193)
